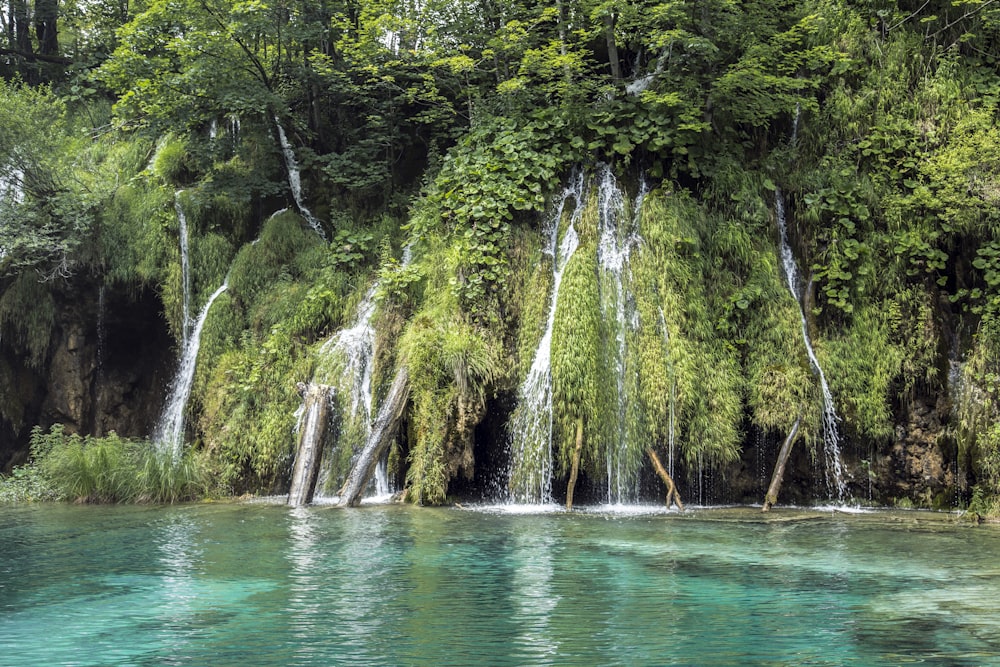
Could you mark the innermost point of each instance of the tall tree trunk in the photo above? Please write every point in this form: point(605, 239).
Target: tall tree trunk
point(575, 468)
point(22, 28)
point(779, 468)
point(46, 18)
point(609, 35)
point(383, 432)
point(672, 492)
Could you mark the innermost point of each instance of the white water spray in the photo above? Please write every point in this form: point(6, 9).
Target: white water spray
point(169, 433)
point(531, 428)
point(618, 237)
point(185, 268)
point(831, 436)
point(295, 181)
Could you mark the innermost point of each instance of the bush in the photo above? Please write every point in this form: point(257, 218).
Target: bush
point(114, 469)
point(25, 484)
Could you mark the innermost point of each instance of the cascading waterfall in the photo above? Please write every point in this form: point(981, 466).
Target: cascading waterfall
point(169, 433)
point(618, 235)
point(831, 437)
point(531, 426)
point(354, 348)
point(638, 85)
point(185, 267)
point(295, 180)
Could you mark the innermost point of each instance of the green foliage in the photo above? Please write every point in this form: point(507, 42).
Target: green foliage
point(692, 386)
point(496, 172)
point(25, 484)
point(170, 161)
point(451, 366)
point(46, 213)
point(581, 390)
point(840, 215)
point(27, 318)
point(275, 256)
point(113, 469)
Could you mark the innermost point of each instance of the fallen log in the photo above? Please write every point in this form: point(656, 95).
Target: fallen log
point(779, 467)
point(672, 492)
point(316, 415)
point(382, 434)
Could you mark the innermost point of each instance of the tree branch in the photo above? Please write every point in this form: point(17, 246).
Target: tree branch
point(57, 60)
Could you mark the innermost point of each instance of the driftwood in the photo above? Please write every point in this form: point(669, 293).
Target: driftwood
point(672, 492)
point(382, 435)
point(575, 469)
point(779, 468)
point(316, 403)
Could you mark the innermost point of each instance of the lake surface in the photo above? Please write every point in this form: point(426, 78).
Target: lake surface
point(257, 584)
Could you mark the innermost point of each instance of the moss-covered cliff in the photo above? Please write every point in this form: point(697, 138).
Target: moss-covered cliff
point(446, 132)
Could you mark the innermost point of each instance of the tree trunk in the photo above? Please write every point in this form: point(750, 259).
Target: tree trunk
point(609, 35)
point(46, 20)
point(575, 469)
point(383, 432)
point(316, 402)
point(667, 480)
point(779, 468)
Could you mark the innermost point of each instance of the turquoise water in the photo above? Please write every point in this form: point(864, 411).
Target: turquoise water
point(385, 585)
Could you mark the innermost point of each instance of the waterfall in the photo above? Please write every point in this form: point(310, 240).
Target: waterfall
point(638, 85)
point(169, 431)
point(618, 235)
point(295, 181)
point(354, 348)
point(831, 437)
point(185, 267)
point(531, 426)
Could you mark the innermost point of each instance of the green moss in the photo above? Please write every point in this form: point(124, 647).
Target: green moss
point(27, 318)
point(451, 366)
point(277, 254)
point(581, 384)
point(171, 161)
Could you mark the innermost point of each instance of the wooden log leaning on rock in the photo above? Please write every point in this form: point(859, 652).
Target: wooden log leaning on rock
point(672, 492)
point(383, 431)
point(779, 467)
point(316, 404)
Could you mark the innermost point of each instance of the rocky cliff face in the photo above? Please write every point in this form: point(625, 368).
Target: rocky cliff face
point(105, 371)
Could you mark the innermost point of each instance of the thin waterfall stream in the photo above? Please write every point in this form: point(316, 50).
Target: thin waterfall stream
point(831, 436)
point(185, 267)
point(354, 348)
point(618, 236)
point(169, 433)
point(530, 479)
point(295, 181)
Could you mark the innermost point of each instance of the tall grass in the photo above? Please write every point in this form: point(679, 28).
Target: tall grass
point(113, 469)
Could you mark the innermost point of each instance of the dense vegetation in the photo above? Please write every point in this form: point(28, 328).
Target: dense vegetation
point(450, 126)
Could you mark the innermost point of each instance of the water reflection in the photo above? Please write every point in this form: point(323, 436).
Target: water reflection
point(533, 597)
point(264, 585)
